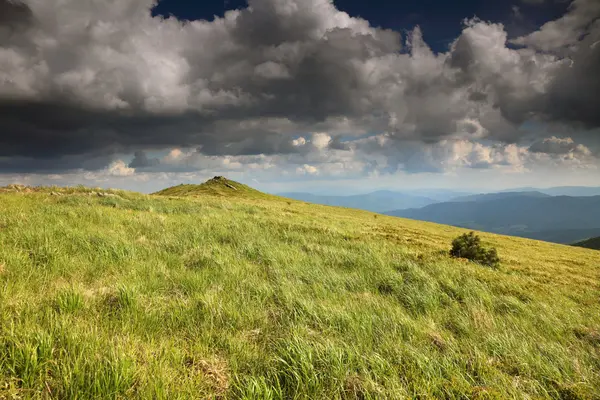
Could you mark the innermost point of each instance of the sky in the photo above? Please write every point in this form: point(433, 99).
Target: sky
point(336, 96)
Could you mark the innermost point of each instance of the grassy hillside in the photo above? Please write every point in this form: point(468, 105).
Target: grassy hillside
point(217, 186)
point(122, 295)
point(593, 243)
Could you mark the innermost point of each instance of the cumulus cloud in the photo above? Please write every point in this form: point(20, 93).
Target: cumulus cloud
point(119, 168)
point(321, 140)
point(443, 156)
point(563, 152)
point(555, 145)
point(565, 31)
point(299, 142)
point(294, 83)
point(307, 170)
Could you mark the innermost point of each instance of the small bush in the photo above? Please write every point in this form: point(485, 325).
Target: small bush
point(469, 246)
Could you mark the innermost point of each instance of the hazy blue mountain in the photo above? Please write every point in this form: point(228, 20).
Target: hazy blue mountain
point(497, 196)
point(379, 201)
point(565, 236)
point(575, 191)
point(438, 194)
point(561, 219)
point(593, 243)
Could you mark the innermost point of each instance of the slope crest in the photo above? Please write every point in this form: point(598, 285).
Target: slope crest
point(217, 186)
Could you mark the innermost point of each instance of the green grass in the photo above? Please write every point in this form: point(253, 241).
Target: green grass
point(121, 295)
point(217, 186)
point(593, 243)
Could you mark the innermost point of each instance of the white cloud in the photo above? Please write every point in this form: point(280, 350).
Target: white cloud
point(320, 140)
point(119, 168)
point(174, 155)
point(299, 142)
point(559, 146)
point(307, 170)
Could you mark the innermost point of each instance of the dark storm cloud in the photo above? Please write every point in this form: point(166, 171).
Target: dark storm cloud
point(55, 164)
point(574, 95)
point(337, 144)
point(47, 130)
point(141, 160)
point(14, 14)
point(263, 143)
point(94, 80)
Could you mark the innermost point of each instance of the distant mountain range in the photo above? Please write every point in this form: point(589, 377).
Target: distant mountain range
point(438, 195)
point(575, 191)
point(565, 236)
point(497, 196)
point(536, 215)
point(380, 201)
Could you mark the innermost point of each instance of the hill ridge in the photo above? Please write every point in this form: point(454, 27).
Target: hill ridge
point(216, 186)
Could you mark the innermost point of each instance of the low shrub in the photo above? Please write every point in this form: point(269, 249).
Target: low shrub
point(469, 246)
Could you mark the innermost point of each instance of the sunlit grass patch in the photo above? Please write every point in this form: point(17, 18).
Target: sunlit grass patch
point(236, 294)
point(69, 301)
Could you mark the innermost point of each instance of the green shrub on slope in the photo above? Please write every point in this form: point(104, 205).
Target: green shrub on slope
point(469, 246)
